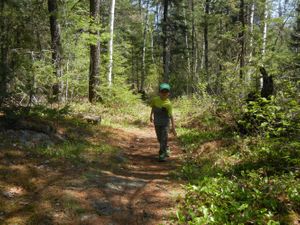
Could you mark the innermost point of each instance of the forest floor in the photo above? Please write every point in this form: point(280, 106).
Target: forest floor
point(120, 183)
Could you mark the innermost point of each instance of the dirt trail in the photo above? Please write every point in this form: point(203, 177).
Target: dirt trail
point(144, 189)
point(135, 190)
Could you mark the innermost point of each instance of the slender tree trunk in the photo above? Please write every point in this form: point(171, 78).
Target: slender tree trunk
point(67, 81)
point(137, 75)
point(152, 46)
point(193, 42)
point(188, 52)
point(265, 30)
point(249, 73)
point(166, 56)
point(242, 39)
point(110, 65)
point(132, 66)
point(144, 47)
point(264, 44)
point(205, 37)
point(56, 47)
point(94, 52)
point(251, 31)
point(4, 55)
point(280, 13)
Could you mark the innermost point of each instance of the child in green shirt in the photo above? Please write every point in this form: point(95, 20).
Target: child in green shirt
point(162, 112)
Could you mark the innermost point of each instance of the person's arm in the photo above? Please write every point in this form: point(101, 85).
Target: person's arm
point(151, 115)
point(173, 126)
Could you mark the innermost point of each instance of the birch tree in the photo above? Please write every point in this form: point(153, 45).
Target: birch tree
point(111, 29)
point(144, 47)
point(248, 77)
point(166, 50)
point(264, 40)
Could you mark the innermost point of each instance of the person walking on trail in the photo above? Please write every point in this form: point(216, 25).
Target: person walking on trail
point(162, 112)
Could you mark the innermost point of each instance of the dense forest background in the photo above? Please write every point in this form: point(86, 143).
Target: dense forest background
point(69, 50)
point(75, 74)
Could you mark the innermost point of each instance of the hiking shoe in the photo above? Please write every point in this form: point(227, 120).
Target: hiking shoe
point(168, 152)
point(162, 158)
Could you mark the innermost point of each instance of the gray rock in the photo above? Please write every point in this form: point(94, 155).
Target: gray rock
point(120, 158)
point(104, 208)
point(114, 187)
point(8, 194)
point(88, 217)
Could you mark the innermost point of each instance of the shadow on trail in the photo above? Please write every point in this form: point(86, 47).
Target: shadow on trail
point(133, 189)
point(139, 192)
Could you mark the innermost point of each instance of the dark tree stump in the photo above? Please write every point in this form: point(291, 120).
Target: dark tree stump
point(268, 85)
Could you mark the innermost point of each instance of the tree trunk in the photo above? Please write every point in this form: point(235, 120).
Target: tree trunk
point(94, 52)
point(152, 46)
point(56, 47)
point(264, 44)
point(242, 38)
point(166, 56)
point(188, 52)
point(4, 56)
point(265, 30)
point(144, 47)
point(193, 65)
point(248, 78)
point(205, 37)
point(110, 65)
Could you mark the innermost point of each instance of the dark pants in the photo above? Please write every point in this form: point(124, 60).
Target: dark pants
point(162, 137)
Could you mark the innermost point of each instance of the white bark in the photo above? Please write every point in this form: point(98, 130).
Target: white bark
point(248, 78)
point(251, 31)
point(265, 33)
point(110, 64)
point(144, 48)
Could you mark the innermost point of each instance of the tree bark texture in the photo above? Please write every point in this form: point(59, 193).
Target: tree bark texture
point(249, 73)
point(193, 42)
point(144, 48)
point(94, 52)
point(4, 55)
point(242, 38)
point(166, 53)
point(205, 37)
point(55, 46)
point(187, 52)
point(111, 42)
point(264, 44)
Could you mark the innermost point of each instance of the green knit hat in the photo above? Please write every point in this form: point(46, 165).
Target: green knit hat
point(164, 86)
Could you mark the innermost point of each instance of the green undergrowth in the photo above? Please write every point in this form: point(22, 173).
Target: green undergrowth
point(235, 179)
point(79, 142)
point(135, 114)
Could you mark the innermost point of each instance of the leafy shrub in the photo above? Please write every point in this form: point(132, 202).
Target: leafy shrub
point(270, 118)
point(249, 199)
